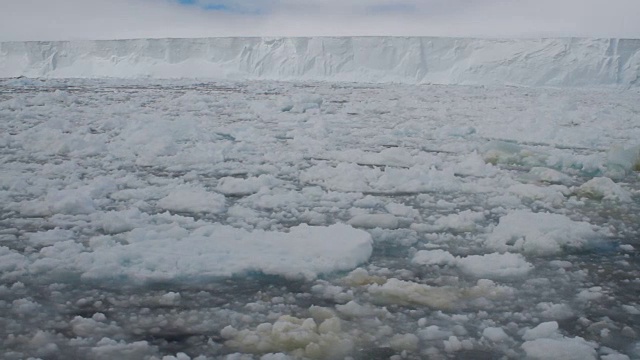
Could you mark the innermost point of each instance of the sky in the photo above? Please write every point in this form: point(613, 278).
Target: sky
point(117, 19)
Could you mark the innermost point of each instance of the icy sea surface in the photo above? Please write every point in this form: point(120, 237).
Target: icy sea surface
point(270, 220)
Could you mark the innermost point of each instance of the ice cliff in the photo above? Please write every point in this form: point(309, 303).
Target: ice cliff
point(565, 62)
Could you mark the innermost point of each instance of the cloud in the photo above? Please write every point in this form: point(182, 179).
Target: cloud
point(111, 19)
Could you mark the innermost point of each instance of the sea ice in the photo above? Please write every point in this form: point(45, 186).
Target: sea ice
point(540, 233)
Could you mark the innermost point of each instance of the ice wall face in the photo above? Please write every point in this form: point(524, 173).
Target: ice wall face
point(528, 62)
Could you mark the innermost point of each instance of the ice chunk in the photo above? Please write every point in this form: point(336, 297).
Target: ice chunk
point(494, 266)
point(397, 291)
point(50, 237)
point(304, 252)
point(402, 210)
point(195, 200)
point(563, 348)
point(453, 344)
point(591, 294)
point(545, 342)
point(550, 176)
point(401, 342)
point(633, 310)
point(494, 334)
point(464, 221)
point(299, 337)
point(170, 298)
point(89, 327)
point(109, 349)
point(433, 257)
point(553, 195)
point(603, 188)
point(615, 356)
point(544, 330)
point(354, 309)
point(623, 159)
point(539, 233)
point(370, 221)
point(115, 222)
point(555, 311)
point(68, 201)
point(502, 152)
point(239, 187)
point(434, 332)
point(627, 247)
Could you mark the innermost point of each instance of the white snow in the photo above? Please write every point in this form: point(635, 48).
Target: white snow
point(528, 62)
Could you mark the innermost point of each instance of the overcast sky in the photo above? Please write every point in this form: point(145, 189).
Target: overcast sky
point(116, 19)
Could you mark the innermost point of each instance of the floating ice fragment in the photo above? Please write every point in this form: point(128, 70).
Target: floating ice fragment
point(239, 187)
point(216, 251)
point(494, 334)
point(50, 237)
point(353, 309)
point(502, 152)
point(562, 348)
point(554, 195)
point(371, 221)
point(170, 298)
point(404, 342)
point(539, 233)
point(633, 310)
point(491, 266)
point(463, 221)
point(434, 332)
point(494, 266)
point(555, 311)
point(543, 330)
point(550, 176)
point(397, 291)
point(107, 349)
point(193, 200)
point(295, 336)
point(433, 257)
point(605, 189)
point(68, 201)
point(622, 160)
point(627, 247)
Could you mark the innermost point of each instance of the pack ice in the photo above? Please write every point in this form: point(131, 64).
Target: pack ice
point(320, 198)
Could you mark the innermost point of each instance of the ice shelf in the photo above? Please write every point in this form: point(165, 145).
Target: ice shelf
point(560, 62)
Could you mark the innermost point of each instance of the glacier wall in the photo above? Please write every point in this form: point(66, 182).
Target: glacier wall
point(564, 62)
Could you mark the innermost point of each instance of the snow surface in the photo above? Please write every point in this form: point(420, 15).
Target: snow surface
point(533, 62)
point(189, 219)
